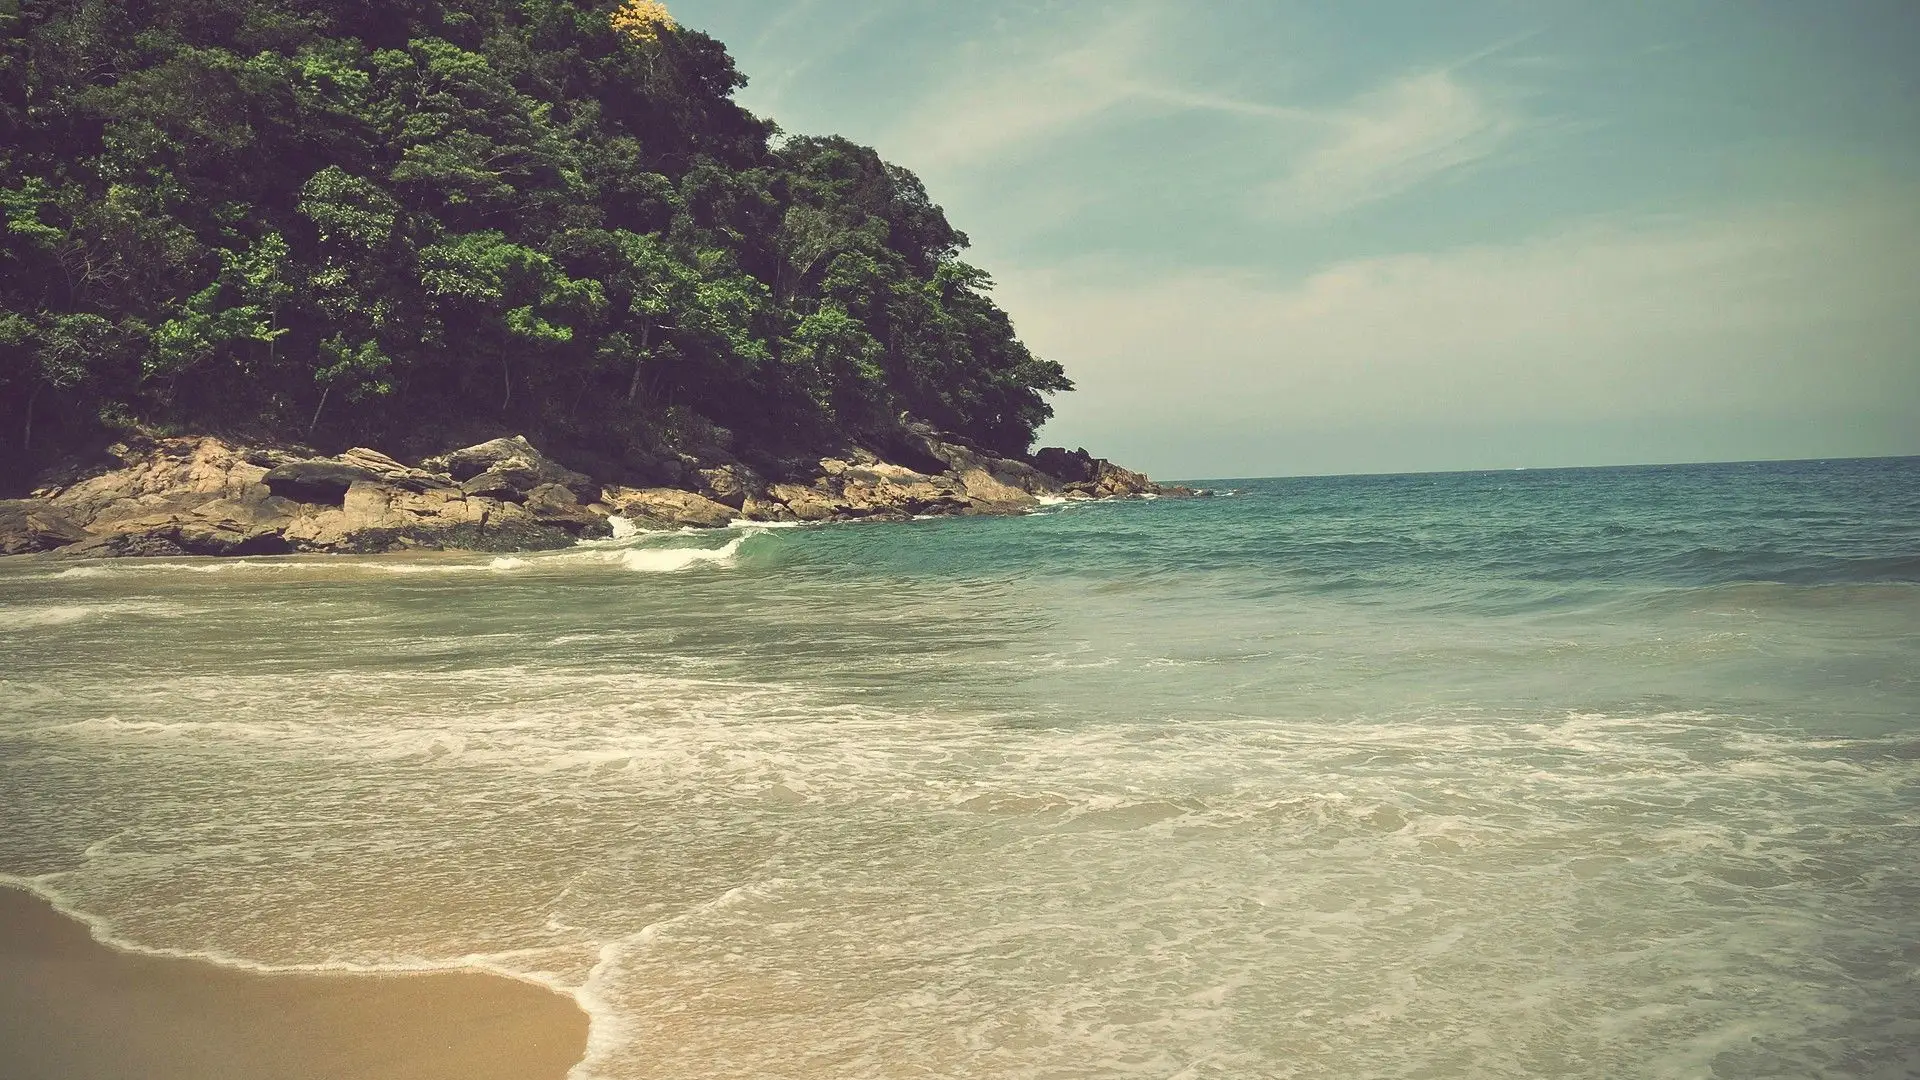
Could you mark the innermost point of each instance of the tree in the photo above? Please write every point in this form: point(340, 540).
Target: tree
point(356, 220)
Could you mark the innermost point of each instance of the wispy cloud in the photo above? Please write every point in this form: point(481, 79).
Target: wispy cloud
point(1330, 159)
point(1392, 140)
point(999, 101)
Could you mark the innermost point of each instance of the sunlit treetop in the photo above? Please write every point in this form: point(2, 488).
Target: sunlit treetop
point(641, 21)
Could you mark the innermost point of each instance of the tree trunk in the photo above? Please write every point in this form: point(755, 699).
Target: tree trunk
point(311, 424)
point(26, 436)
point(639, 358)
point(506, 378)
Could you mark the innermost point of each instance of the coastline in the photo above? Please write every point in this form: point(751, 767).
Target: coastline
point(202, 495)
point(73, 1007)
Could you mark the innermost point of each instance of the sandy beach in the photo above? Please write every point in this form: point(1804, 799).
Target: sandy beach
point(72, 1008)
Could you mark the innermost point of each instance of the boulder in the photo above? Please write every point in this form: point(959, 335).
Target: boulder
point(867, 491)
point(983, 477)
point(509, 484)
point(805, 503)
point(176, 471)
point(30, 525)
point(1111, 480)
point(553, 504)
point(320, 481)
point(219, 527)
point(766, 508)
point(1089, 475)
point(391, 472)
point(1069, 466)
point(731, 485)
point(513, 462)
point(668, 507)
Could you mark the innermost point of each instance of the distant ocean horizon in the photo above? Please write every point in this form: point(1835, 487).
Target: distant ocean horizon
point(1828, 460)
point(1606, 771)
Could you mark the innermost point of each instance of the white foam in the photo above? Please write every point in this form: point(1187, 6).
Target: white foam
point(673, 559)
point(44, 615)
point(103, 931)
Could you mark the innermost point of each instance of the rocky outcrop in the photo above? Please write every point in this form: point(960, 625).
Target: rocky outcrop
point(313, 481)
point(207, 496)
point(27, 526)
point(509, 469)
point(1084, 474)
point(668, 508)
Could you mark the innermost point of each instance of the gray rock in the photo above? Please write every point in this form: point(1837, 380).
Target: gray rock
point(553, 504)
point(514, 462)
point(320, 481)
point(731, 485)
point(510, 484)
point(1071, 466)
point(30, 525)
point(669, 507)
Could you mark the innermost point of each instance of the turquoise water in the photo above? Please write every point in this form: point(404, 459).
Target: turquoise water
point(1595, 773)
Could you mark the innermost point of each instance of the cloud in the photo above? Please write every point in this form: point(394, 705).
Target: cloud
point(1330, 159)
point(1392, 140)
point(1778, 311)
point(997, 104)
point(1002, 100)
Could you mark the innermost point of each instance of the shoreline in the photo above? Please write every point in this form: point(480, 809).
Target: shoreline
point(73, 1006)
point(201, 495)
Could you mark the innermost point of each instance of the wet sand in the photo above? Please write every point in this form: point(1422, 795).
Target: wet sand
point(73, 1009)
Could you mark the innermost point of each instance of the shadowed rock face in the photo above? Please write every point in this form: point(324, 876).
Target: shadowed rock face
point(1082, 473)
point(28, 526)
point(313, 481)
point(206, 496)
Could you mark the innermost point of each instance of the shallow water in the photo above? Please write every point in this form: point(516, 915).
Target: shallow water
point(1586, 773)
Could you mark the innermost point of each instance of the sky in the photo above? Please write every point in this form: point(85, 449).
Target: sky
point(1278, 238)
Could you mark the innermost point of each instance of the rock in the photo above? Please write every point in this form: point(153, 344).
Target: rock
point(513, 462)
point(805, 503)
point(985, 478)
point(391, 472)
point(320, 481)
point(766, 508)
point(138, 545)
point(509, 484)
point(553, 504)
point(731, 485)
point(1111, 480)
point(668, 507)
point(1086, 474)
point(217, 527)
point(1071, 466)
point(867, 491)
point(30, 525)
point(204, 496)
point(175, 471)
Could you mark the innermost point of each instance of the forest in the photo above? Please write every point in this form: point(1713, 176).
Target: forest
point(390, 222)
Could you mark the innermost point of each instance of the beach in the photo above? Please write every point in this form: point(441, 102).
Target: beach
point(1583, 773)
point(74, 1009)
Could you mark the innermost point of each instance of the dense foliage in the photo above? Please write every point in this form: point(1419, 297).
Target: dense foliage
point(347, 220)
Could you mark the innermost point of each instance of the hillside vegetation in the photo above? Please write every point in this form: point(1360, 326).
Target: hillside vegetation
point(399, 222)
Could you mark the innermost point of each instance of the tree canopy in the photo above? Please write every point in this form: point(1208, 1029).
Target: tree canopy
point(343, 220)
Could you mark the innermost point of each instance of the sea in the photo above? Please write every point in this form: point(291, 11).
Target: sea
point(1559, 773)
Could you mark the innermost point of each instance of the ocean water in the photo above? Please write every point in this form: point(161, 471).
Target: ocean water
point(1586, 773)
